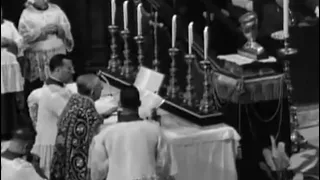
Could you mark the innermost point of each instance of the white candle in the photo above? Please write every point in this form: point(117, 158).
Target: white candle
point(286, 18)
point(174, 30)
point(113, 12)
point(190, 37)
point(125, 15)
point(139, 19)
point(206, 42)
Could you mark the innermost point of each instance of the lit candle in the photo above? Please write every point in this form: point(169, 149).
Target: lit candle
point(125, 15)
point(286, 18)
point(113, 12)
point(174, 30)
point(206, 41)
point(139, 19)
point(190, 37)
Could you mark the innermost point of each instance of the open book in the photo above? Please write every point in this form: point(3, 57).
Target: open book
point(148, 79)
point(149, 82)
point(149, 101)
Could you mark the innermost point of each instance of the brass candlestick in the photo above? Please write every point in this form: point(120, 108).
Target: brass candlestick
point(206, 103)
point(172, 89)
point(114, 62)
point(297, 139)
point(188, 97)
point(155, 24)
point(126, 69)
point(140, 40)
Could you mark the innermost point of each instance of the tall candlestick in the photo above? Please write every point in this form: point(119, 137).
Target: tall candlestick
point(113, 12)
point(206, 42)
point(139, 19)
point(286, 18)
point(174, 30)
point(125, 15)
point(190, 37)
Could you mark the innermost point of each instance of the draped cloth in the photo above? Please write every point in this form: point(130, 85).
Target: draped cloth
point(76, 128)
point(132, 151)
point(11, 78)
point(39, 51)
point(18, 169)
point(12, 98)
point(249, 91)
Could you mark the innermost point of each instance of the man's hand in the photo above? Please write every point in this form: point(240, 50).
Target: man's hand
point(60, 32)
point(109, 112)
point(317, 11)
point(50, 29)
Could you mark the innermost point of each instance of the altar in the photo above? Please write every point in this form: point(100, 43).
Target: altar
point(204, 153)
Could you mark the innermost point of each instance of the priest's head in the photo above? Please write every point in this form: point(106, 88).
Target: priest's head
point(130, 98)
point(90, 85)
point(42, 4)
point(22, 141)
point(61, 68)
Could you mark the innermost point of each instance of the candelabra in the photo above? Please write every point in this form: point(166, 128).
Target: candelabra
point(206, 103)
point(188, 97)
point(155, 24)
point(172, 89)
point(140, 40)
point(114, 62)
point(296, 138)
point(126, 70)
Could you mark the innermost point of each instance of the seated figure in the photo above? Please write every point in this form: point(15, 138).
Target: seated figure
point(17, 162)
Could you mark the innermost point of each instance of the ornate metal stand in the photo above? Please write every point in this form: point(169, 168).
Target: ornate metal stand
point(114, 62)
point(206, 103)
point(173, 89)
point(296, 138)
point(126, 69)
point(140, 40)
point(155, 24)
point(188, 97)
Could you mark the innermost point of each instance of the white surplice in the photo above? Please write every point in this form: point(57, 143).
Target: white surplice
point(36, 95)
point(51, 104)
point(9, 31)
point(40, 51)
point(131, 151)
point(18, 169)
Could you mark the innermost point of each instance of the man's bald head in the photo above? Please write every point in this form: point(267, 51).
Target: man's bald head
point(89, 85)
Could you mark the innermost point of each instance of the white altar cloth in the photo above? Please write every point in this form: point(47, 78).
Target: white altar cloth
point(202, 153)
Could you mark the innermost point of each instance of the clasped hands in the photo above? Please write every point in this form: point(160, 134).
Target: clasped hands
point(53, 29)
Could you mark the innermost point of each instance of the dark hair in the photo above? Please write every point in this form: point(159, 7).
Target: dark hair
point(130, 97)
point(57, 61)
point(24, 134)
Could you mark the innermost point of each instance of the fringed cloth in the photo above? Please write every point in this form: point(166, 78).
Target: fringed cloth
point(11, 77)
point(249, 91)
point(46, 154)
point(39, 61)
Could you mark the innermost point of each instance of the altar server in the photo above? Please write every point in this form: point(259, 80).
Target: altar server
point(17, 162)
point(132, 149)
point(54, 97)
point(46, 32)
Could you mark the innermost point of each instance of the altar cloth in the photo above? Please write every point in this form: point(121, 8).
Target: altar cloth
point(202, 153)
